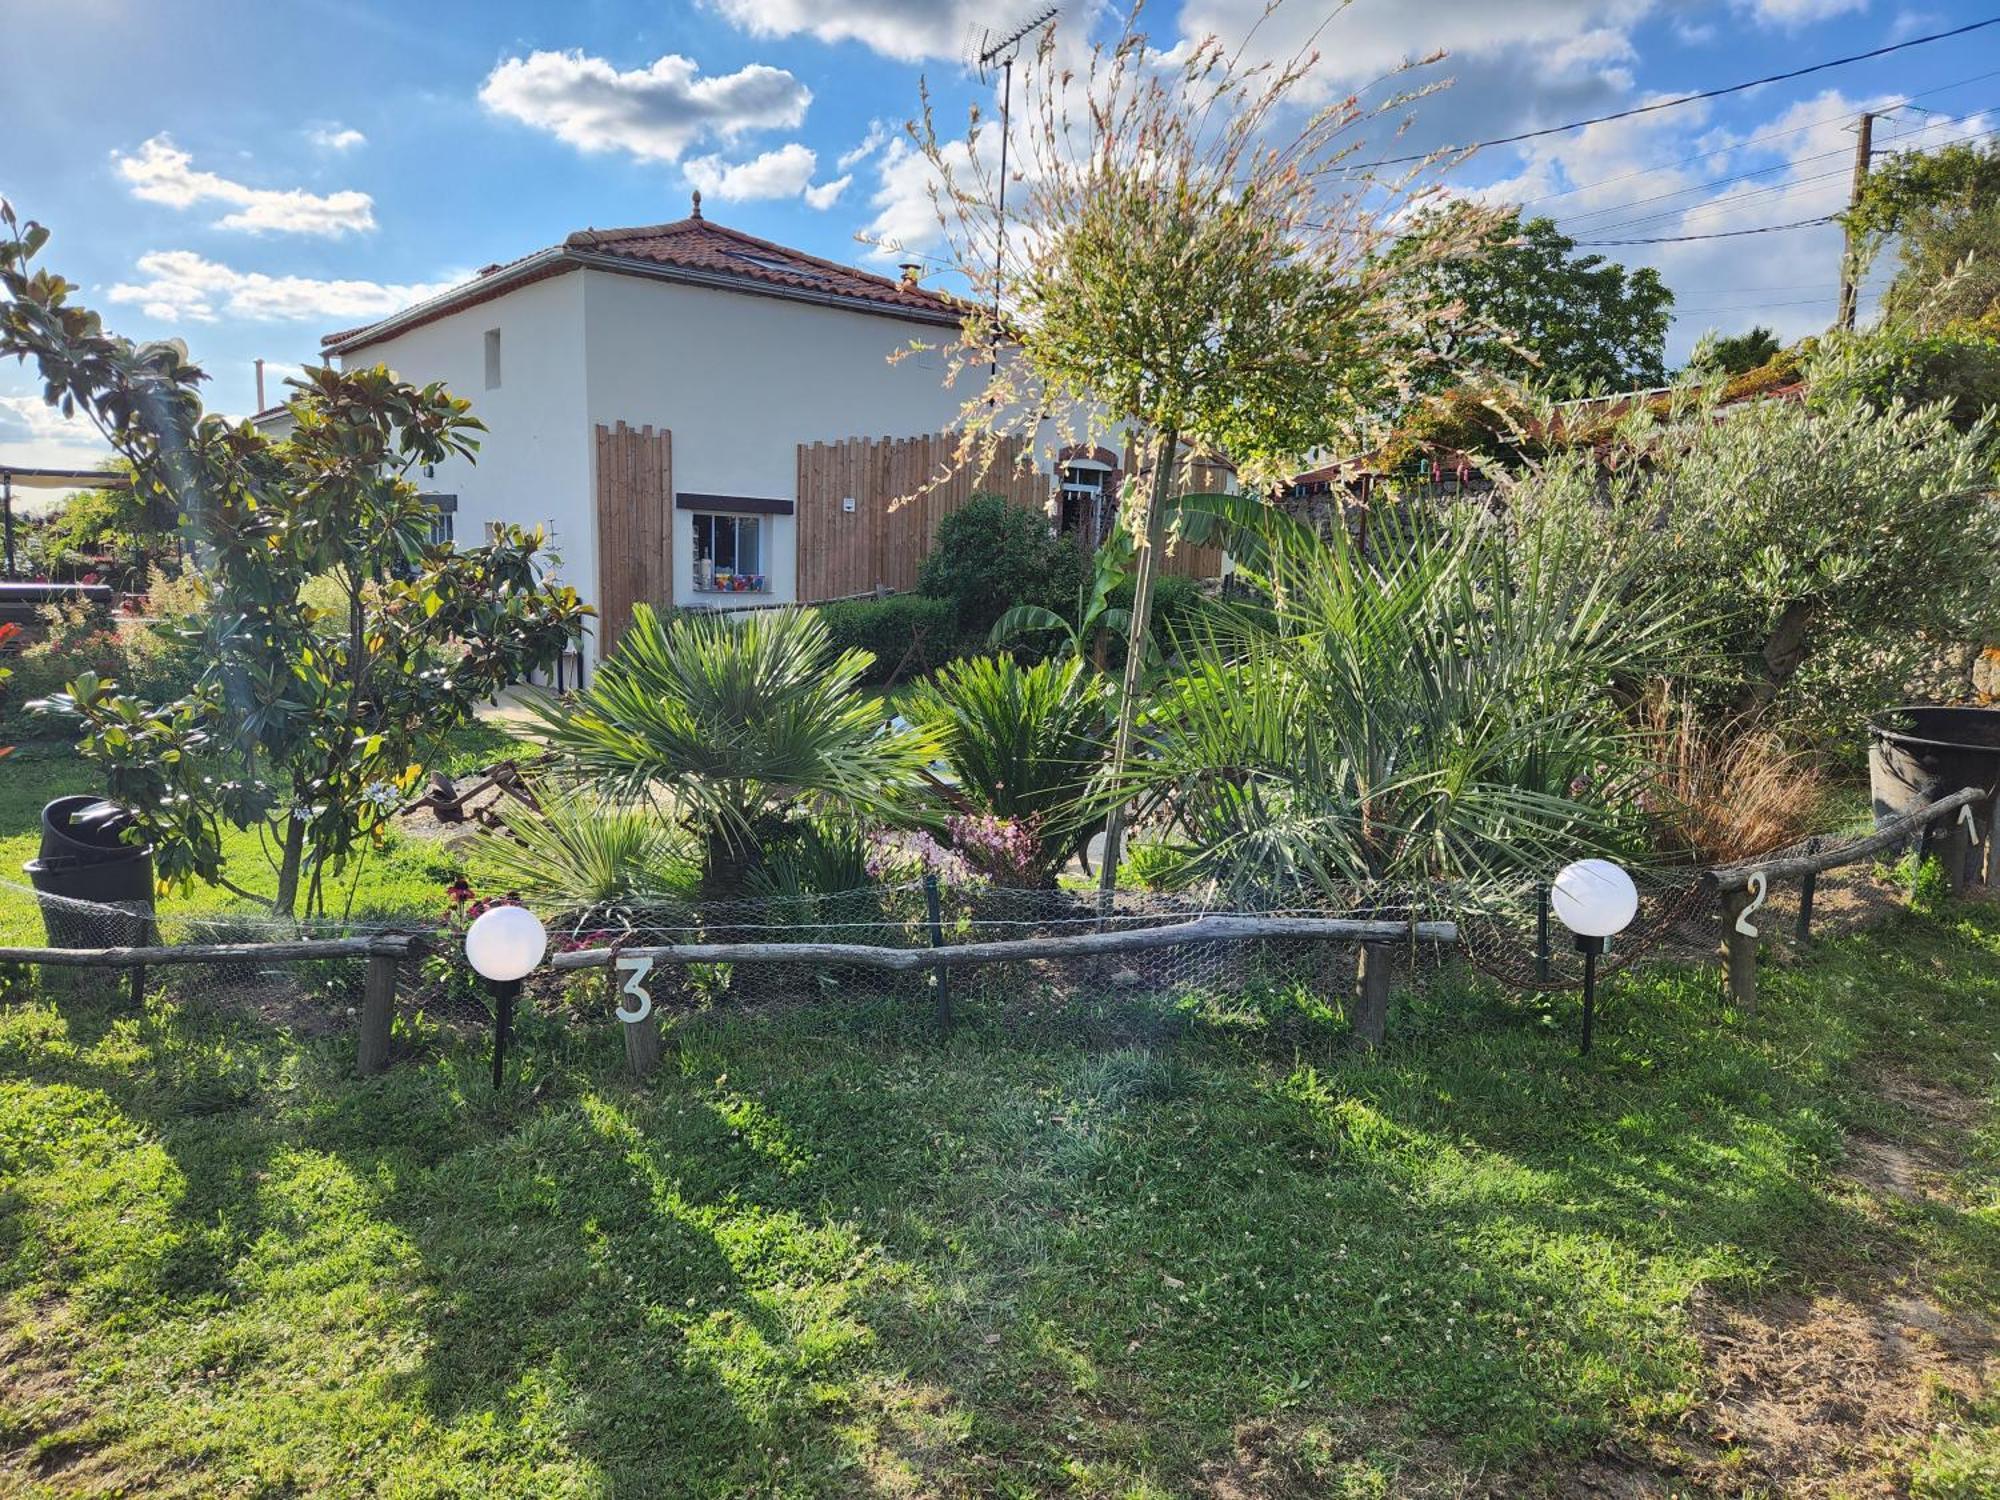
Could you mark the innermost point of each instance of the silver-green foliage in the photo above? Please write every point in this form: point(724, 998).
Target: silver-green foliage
point(1832, 545)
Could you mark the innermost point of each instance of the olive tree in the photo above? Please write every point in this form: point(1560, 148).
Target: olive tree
point(1197, 266)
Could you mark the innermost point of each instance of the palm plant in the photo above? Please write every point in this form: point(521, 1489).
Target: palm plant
point(576, 851)
point(1027, 743)
point(728, 722)
point(1447, 708)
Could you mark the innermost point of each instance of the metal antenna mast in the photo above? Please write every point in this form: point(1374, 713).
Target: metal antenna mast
point(986, 48)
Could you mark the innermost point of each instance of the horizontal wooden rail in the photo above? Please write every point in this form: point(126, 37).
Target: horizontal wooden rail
point(1736, 877)
point(396, 944)
point(1074, 945)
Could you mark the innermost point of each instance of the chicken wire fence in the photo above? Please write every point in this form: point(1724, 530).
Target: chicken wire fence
point(1508, 934)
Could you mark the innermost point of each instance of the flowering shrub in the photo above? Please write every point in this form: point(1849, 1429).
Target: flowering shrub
point(1004, 850)
point(902, 858)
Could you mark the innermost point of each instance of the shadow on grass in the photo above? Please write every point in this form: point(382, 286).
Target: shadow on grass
point(830, 1251)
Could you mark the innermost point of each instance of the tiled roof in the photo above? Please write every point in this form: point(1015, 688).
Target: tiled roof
point(699, 244)
point(703, 251)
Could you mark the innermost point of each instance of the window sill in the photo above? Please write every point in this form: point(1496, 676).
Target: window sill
point(725, 593)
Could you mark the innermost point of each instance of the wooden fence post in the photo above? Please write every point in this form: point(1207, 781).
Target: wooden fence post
point(1740, 952)
point(378, 1009)
point(1371, 1012)
point(642, 1044)
point(1807, 886)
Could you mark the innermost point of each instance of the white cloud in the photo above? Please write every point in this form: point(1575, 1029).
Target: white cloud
point(876, 138)
point(34, 434)
point(826, 194)
point(1793, 13)
point(180, 285)
point(160, 172)
point(906, 29)
point(336, 138)
point(656, 113)
point(782, 173)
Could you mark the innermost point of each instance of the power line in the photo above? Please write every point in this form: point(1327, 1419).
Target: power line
point(1755, 140)
point(1721, 234)
point(1646, 109)
point(1780, 189)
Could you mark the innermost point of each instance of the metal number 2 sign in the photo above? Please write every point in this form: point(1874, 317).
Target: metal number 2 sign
point(1758, 888)
point(639, 965)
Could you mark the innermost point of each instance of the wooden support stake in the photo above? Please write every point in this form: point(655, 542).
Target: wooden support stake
point(1954, 848)
point(378, 1013)
point(1740, 953)
point(642, 1044)
point(1371, 1012)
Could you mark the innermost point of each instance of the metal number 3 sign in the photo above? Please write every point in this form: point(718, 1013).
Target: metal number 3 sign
point(639, 966)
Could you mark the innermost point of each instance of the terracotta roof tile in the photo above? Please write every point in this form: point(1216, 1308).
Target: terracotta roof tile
point(700, 246)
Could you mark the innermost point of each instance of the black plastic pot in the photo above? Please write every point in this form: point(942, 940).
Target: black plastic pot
point(1920, 752)
point(85, 860)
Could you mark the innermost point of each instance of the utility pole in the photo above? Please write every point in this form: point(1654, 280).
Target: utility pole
point(1850, 257)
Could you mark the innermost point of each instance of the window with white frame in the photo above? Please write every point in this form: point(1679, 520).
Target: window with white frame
point(729, 554)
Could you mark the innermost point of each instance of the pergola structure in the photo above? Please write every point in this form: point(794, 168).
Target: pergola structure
point(14, 476)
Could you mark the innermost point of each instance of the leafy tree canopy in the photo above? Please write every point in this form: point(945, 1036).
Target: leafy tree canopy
point(1943, 208)
point(1516, 301)
point(1732, 354)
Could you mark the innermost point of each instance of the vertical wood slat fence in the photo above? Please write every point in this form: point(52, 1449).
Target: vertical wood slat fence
point(635, 505)
point(880, 543)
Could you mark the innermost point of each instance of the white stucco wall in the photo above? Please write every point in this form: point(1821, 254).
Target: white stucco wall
point(534, 460)
point(742, 381)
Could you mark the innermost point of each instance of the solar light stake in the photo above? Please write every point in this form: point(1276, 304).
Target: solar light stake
point(503, 945)
point(1591, 948)
point(1596, 900)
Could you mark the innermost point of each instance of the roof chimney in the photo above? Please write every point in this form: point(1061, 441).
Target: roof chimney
point(260, 385)
point(911, 271)
point(697, 204)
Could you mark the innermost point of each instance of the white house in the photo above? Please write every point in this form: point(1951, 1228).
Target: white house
point(739, 348)
point(657, 398)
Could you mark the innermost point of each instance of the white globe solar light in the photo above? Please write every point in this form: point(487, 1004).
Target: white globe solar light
point(505, 943)
point(1594, 898)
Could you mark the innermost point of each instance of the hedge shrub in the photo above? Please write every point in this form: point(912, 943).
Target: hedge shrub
point(910, 634)
point(990, 556)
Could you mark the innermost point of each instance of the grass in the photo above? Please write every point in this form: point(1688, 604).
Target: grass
point(406, 877)
point(1094, 1250)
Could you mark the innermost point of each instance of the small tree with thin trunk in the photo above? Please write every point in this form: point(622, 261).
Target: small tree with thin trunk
point(1194, 263)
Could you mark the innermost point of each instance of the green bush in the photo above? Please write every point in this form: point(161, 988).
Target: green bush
point(910, 634)
point(990, 556)
point(152, 661)
point(1157, 867)
point(1959, 366)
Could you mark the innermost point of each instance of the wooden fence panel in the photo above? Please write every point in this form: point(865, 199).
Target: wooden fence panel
point(882, 541)
point(635, 501)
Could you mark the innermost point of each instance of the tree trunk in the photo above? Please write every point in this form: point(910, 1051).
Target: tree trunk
point(1164, 453)
point(1783, 654)
point(285, 903)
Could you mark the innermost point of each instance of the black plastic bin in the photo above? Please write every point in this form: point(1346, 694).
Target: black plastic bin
point(85, 859)
point(1920, 752)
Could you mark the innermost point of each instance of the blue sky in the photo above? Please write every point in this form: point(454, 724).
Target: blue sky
point(248, 176)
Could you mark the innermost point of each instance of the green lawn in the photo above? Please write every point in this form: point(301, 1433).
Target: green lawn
point(1095, 1251)
point(406, 878)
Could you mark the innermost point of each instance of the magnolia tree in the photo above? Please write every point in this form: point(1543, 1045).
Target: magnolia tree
point(342, 644)
point(1195, 263)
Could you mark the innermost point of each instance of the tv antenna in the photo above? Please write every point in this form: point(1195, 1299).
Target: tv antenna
point(985, 49)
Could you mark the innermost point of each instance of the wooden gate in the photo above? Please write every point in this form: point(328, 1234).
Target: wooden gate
point(635, 503)
point(878, 543)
